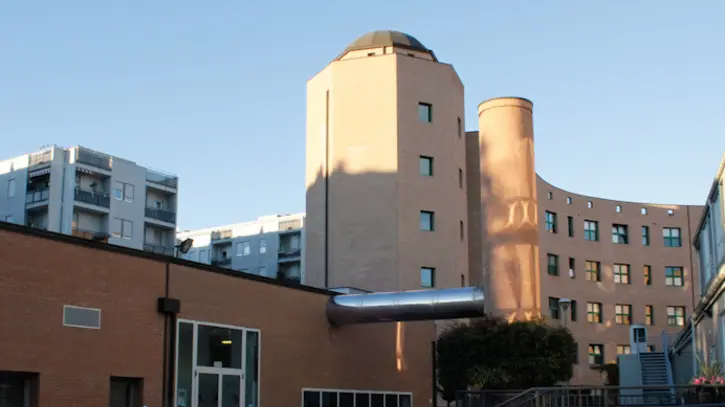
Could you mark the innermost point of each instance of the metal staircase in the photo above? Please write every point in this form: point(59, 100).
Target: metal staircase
point(655, 373)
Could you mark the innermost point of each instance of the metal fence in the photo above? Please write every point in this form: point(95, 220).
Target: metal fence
point(36, 196)
point(161, 214)
point(158, 177)
point(93, 197)
point(600, 396)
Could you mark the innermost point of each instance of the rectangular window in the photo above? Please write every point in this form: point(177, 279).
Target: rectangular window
point(591, 230)
point(425, 112)
point(550, 222)
point(460, 128)
point(621, 273)
point(263, 246)
point(552, 261)
point(623, 314)
point(673, 276)
point(596, 354)
point(573, 310)
point(572, 267)
point(624, 350)
point(244, 249)
point(554, 308)
point(122, 228)
point(461, 230)
point(427, 221)
point(647, 271)
point(645, 235)
point(123, 191)
point(427, 277)
point(649, 315)
point(460, 178)
point(592, 270)
point(594, 312)
point(426, 166)
point(619, 234)
point(570, 225)
point(671, 237)
point(11, 188)
point(675, 316)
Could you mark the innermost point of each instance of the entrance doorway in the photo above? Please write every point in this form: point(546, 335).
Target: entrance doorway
point(218, 387)
point(216, 365)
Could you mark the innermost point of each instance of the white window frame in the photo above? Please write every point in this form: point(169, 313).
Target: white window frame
point(121, 191)
point(201, 369)
point(263, 246)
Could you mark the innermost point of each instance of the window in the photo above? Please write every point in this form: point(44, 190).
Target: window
point(621, 273)
point(624, 350)
point(427, 221)
point(460, 178)
point(427, 277)
point(262, 270)
point(263, 246)
point(11, 188)
point(460, 128)
point(9, 219)
point(673, 276)
point(426, 166)
point(645, 235)
point(461, 230)
point(592, 270)
point(350, 398)
point(570, 225)
point(618, 208)
point(643, 211)
point(623, 314)
point(550, 222)
point(572, 267)
point(651, 348)
point(550, 195)
point(425, 112)
point(590, 204)
point(552, 261)
point(122, 228)
point(554, 308)
point(125, 392)
point(596, 354)
point(672, 237)
point(647, 271)
point(619, 234)
point(675, 316)
point(568, 200)
point(649, 315)
point(573, 310)
point(670, 212)
point(244, 249)
point(123, 191)
point(594, 312)
point(591, 230)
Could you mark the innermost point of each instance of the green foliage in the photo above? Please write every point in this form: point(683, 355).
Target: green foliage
point(492, 353)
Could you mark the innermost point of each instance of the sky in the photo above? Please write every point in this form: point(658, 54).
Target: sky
point(627, 94)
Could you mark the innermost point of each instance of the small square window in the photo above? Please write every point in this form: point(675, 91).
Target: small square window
point(426, 166)
point(427, 277)
point(674, 276)
point(624, 350)
point(594, 312)
point(643, 211)
point(550, 195)
point(623, 314)
point(621, 273)
point(427, 221)
point(592, 270)
point(670, 212)
point(568, 200)
point(590, 204)
point(618, 208)
point(671, 237)
point(425, 112)
point(676, 316)
point(591, 230)
point(596, 354)
point(620, 234)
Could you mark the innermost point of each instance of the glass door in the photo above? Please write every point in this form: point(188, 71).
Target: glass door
point(218, 388)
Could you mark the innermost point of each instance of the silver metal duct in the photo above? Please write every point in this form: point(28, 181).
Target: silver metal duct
point(448, 303)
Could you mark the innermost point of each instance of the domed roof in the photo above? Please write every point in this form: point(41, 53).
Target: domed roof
point(384, 38)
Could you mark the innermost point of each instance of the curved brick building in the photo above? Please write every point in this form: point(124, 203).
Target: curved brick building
point(397, 199)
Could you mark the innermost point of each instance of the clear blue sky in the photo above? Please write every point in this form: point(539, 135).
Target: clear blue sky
point(628, 94)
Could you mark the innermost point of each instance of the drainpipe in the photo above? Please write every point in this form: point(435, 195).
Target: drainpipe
point(170, 307)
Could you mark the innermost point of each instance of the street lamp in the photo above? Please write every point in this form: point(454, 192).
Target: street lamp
point(564, 304)
point(183, 247)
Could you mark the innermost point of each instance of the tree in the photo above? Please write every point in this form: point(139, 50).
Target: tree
point(492, 353)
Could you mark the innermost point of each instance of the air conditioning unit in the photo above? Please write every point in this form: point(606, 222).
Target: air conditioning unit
point(638, 338)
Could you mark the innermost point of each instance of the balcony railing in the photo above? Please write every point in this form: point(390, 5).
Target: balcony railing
point(161, 214)
point(90, 234)
point(93, 197)
point(159, 249)
point(290, 224)
point(224, 261)
point(93, 159)
point(221, 234)
point(289, 252)
point(40, 158)
point(160, 178)
point(37, 196)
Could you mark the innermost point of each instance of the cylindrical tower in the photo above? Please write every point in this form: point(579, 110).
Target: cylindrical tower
point(509, 239)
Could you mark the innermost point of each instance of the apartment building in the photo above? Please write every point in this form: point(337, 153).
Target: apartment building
point(86, 193)
point(271, 246)
point(400, 197)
